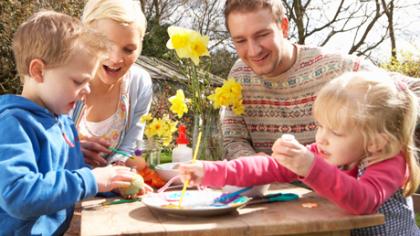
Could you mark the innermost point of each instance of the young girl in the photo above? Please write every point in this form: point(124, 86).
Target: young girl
point(363, 160)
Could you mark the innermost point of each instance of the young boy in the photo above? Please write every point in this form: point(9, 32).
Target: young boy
point(42, 170)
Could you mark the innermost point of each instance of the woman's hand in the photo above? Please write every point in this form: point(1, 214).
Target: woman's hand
point(289, 153)
point(136, 162)
point(193, 171)
point(92, 149)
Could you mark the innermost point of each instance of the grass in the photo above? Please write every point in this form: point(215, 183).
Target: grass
point(418, 219)
point(165, 156)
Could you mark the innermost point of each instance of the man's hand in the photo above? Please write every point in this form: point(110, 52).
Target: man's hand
point(289, 153)
point(92, 149)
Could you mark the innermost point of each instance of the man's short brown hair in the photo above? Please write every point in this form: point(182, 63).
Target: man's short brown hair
point(277, 9)
point(51, 37)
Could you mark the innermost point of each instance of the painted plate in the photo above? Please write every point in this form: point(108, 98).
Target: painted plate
point(194, 203)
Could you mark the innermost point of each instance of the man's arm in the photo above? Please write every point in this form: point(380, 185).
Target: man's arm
point(236, 139)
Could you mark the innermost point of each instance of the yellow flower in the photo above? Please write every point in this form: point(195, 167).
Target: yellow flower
point(161, 129)
point(238, 108)
point(230, 94)
point(155, 128)
point(170, 128)
point(187, 43)
point(234, 87)
point(179, 40)
point(198, 47)
point(219, 98)
point(146, 118)
point(178, 103)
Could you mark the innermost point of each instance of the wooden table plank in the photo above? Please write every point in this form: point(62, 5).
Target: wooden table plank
point(264, 219)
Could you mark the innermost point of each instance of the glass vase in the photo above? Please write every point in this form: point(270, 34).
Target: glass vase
point(211, 144)
point(150, 151)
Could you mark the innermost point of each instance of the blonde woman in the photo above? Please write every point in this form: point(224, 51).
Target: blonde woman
point(364, 158)
point(121, 91)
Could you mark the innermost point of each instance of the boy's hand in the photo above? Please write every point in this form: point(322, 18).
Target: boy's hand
point(92, 148)
point(111, 177)
point(193, 171)
point(289, 153)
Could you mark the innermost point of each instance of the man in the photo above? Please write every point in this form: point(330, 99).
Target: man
point(279, 79)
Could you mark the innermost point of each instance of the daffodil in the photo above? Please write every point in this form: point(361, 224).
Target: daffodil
point(179, 40)
point(229, 95)
point(190, 46)
point(146, 118)
point(155, 128)
point(160, 129)
point(178, 103)
point(198, 47)
point(187, 43)
point(238, 108)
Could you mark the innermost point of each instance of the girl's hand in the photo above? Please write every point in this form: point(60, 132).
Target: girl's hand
point(112, 177)
point(92, 149)
point(289, 153)
point(146, 189)
point(262, 154)
point(193, 171)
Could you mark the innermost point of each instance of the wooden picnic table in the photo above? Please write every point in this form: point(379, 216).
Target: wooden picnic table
point(279, 218)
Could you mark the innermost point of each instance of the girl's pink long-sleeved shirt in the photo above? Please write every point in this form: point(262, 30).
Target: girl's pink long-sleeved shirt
point(363, 195)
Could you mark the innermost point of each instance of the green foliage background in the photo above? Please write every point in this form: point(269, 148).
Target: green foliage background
point(407, 65)
point(13, 13)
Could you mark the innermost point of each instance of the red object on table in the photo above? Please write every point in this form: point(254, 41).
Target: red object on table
point(151, 177)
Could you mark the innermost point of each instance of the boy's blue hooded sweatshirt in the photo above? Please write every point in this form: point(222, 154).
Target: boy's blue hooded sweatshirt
point(41, 175)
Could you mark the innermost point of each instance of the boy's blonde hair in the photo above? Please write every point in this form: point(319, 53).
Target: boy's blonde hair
point(375, 104)
point(52, 37)
point(122, 11)
point(276, 6)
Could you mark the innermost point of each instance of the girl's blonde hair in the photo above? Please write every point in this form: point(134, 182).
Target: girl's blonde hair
point(52, 37)
point(375, 104)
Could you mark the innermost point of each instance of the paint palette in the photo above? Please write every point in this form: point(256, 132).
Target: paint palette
point(194, 203)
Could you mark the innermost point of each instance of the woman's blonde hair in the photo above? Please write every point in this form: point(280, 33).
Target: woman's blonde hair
point(52, 37)
point(375, 104)
point(122, 11)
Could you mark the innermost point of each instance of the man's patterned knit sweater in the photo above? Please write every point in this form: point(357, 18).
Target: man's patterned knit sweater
point(282, 104)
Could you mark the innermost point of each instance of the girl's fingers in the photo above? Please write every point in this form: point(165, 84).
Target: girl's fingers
point(280, 145)
point(147, 189)
point(287, 151)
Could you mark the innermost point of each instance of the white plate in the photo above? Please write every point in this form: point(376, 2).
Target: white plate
point(166, 171)
point(194, 203)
